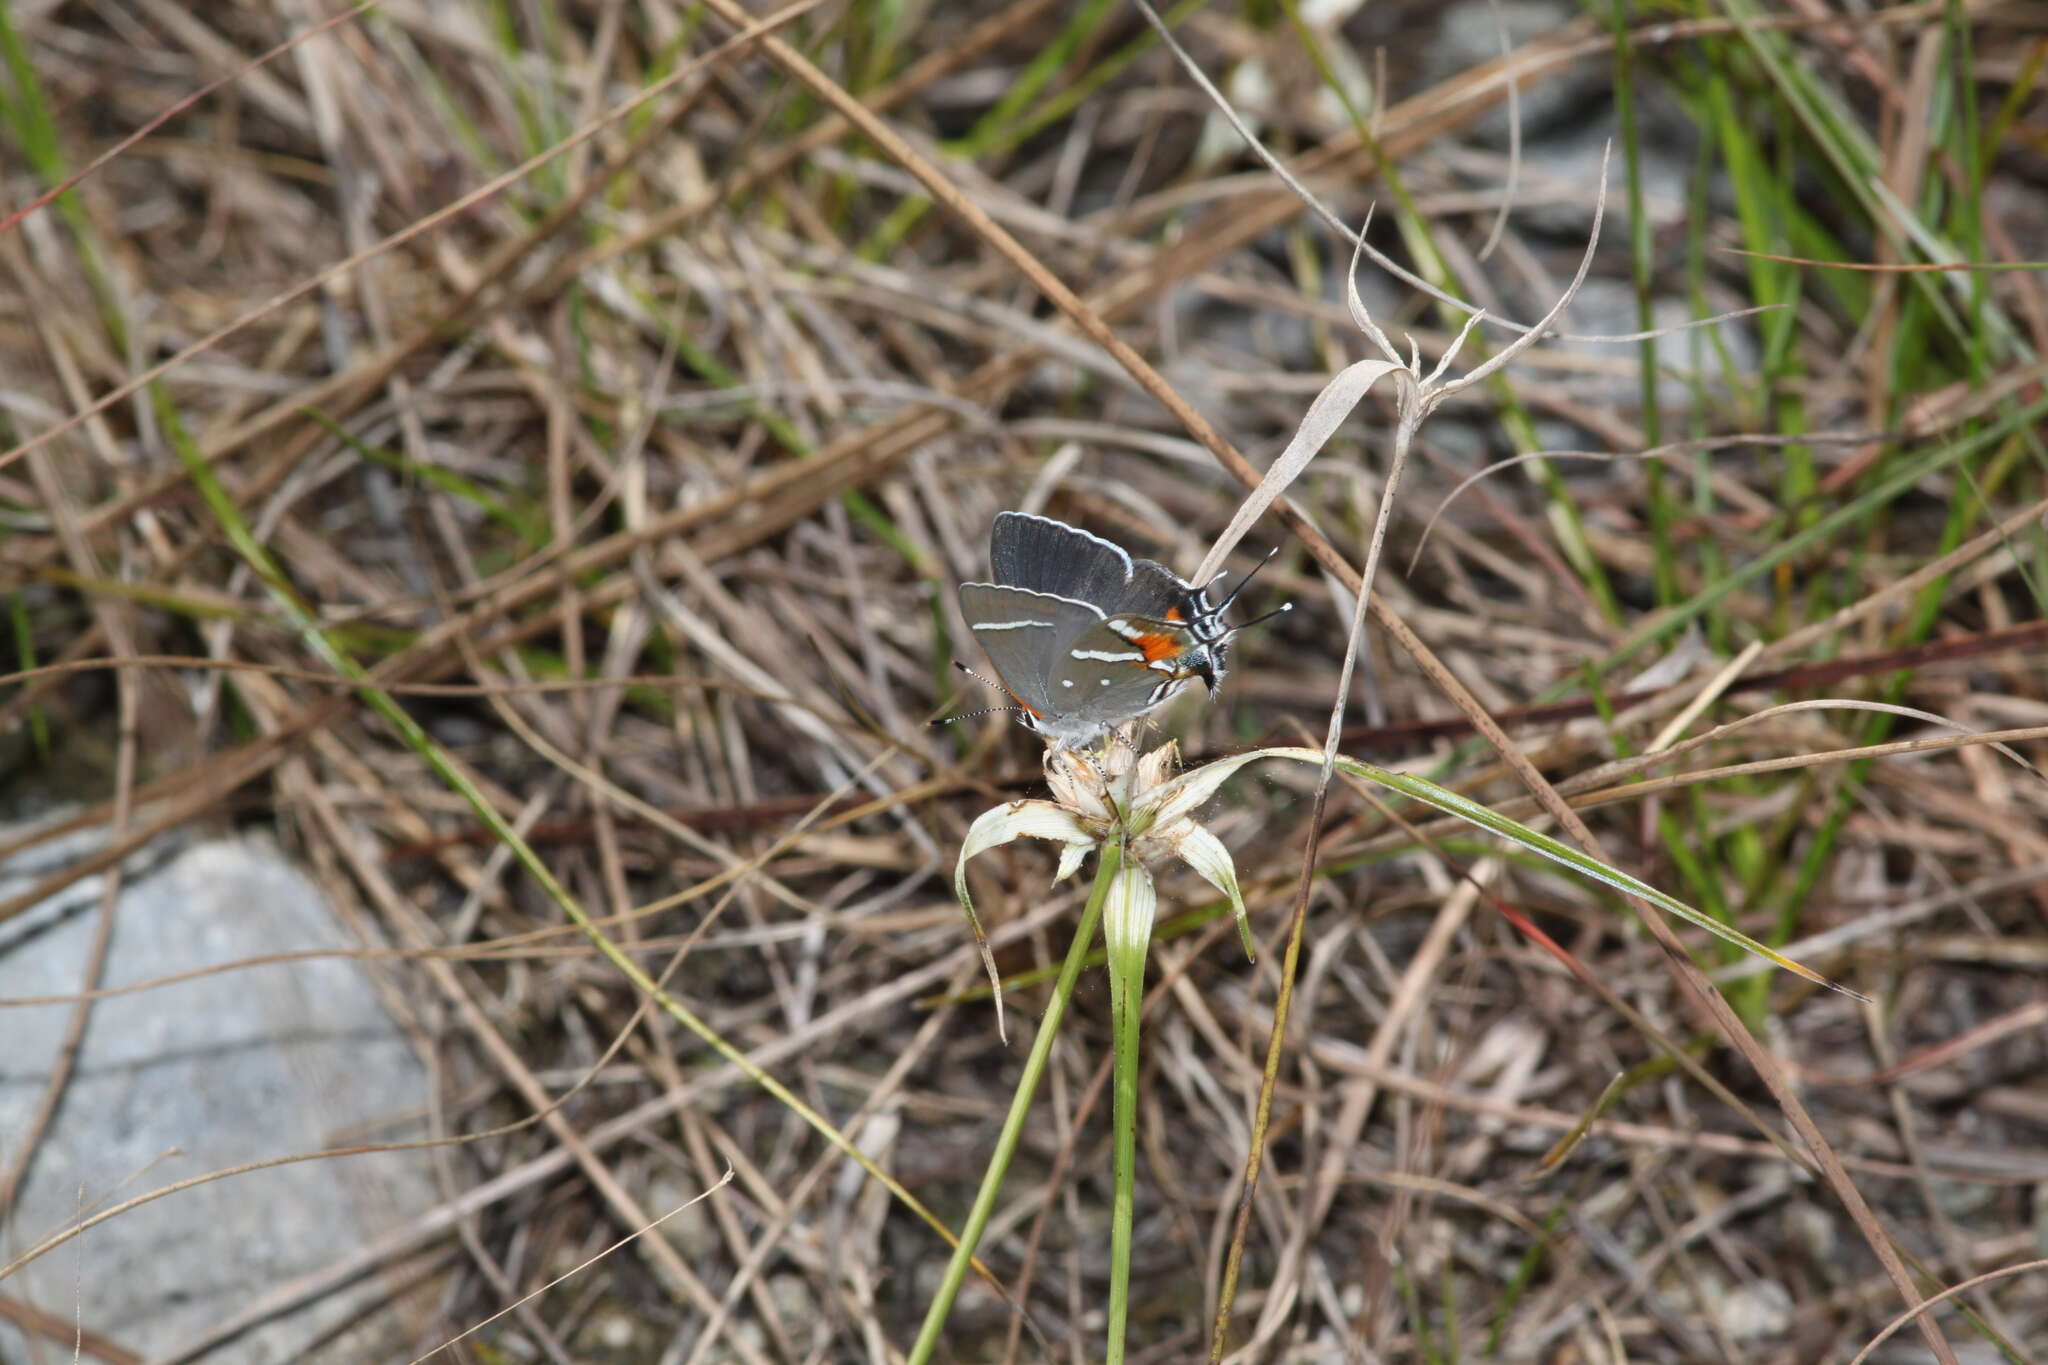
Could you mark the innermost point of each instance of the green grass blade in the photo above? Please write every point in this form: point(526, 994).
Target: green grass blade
point(1110, 859)
point(530, 528)
point(1451, 803)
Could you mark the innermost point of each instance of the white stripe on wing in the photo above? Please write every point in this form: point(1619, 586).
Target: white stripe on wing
point(1090, 607)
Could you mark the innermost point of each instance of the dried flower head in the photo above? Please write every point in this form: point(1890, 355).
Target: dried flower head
point(1113, 795)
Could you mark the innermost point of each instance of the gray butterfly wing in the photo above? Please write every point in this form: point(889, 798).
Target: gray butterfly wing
point(1155, 591)
point(1120, 667)
point(1039, 554)
point(1024, 634)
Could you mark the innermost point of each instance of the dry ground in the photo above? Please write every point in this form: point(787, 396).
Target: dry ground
point(643, 478)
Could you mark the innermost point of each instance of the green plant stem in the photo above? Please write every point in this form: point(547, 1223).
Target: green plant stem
point(1108, 860)
point(1126, 1005)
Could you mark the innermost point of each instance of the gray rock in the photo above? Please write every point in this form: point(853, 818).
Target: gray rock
point(189, 1078)
point(1469, 35)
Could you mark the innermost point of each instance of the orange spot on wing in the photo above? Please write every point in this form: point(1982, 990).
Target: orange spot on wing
point(1158, 646)
point(1173, 614)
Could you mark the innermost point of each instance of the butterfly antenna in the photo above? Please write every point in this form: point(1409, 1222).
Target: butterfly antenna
point(986, 682)
point(1243, 582)
point(970, 715)
point(1280, 610)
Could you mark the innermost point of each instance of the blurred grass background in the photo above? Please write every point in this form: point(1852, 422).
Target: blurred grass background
point(583, 378)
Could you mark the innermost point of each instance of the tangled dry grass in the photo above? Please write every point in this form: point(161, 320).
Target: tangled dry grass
point(642, 477)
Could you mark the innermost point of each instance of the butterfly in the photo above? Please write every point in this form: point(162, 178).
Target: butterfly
point(1084, 636)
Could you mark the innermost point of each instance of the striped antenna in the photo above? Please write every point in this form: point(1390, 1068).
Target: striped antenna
point(970, 715)
point(1280, 610)
point(1243, 582)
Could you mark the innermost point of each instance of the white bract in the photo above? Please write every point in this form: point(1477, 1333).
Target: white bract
point(1113, 796)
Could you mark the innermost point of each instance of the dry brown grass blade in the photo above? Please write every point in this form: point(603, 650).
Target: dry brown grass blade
point(607, 426)
point(1705, 999)
point(556, 1160)
point(113, 620)
point(34, 1322)
point(577, 1269)
point(123, 145)
point(1407, 126)
point(341, 393)
point(749, 32)
point(1097, 329)
point(547, 1109)
point(1692, 982)
point(1919, 1309)
point(1690, 979)
point(772, 502)
point(1890, 267)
